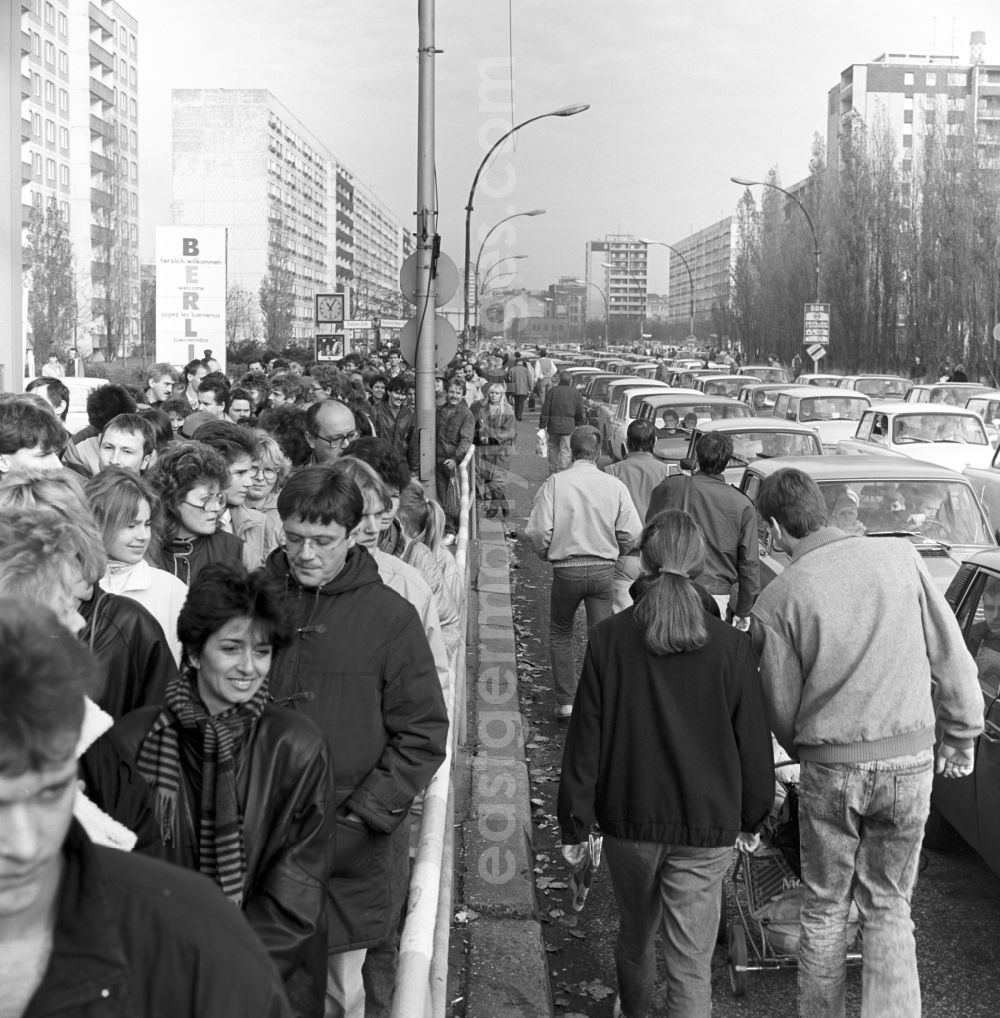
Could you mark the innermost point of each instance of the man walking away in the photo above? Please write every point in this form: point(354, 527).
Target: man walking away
point(729, 521)
point(582, 520)
point(640, 472)
point(861, 658)
point(545, 367)
point(519, 381)
point(562, 411)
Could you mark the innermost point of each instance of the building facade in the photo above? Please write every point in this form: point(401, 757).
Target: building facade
point(623, 272)
point(80, 144)
point(710, 255)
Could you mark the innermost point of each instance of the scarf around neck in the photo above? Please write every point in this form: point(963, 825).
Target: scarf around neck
point(221, 849)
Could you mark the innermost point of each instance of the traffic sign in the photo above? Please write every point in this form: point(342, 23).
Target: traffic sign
point(445, 341)
point(816, 324)
point(445, 280)
point(817, 352)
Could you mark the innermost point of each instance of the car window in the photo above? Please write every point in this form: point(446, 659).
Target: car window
point(959, 428)
point(979, 619)
point(867, 428)
point(831, 408)
point(882, 388)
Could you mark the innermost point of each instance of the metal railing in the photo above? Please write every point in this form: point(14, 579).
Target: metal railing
point(422, 971)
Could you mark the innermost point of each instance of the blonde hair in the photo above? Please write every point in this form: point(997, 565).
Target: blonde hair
point(271, 455)
point(670, 611)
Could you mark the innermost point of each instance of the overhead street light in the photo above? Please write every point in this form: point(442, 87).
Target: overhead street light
point(566, 111)
point(660, 243)
point(744, 182)
point(475, 276)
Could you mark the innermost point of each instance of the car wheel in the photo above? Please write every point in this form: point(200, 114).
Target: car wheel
point(737, 960)
point(939, 835)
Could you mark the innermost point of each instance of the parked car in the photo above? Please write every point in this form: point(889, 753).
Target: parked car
point(607, 410)
point(833, 412)
point(880, 387)
point(593, 393)
point(630, 400)
point(764, 372)
point(951, 436)
point(578, 375)
point(886, 496)
point(756, 438)
point(716, 384)
point(813, 379)
point(672, 442)
point(760, 396)
point(955, 393)
point(971, 806)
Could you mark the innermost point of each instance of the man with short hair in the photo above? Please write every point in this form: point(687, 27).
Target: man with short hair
point(212, 396)
point(55, 391)
point(640, 472)
point(88, 930)
point(239, 408)
point(545, 370)
point(729, 522)
point(864, 668)
point(394, 420)
point(582, 521)
point(456, 430)
point(127, 441)
point(562, 411)
point(331, 425)
point(194, 372)
point(519, 380)
point(361, 668)
point(103, 405)
point(30, 436)
point(160, 379)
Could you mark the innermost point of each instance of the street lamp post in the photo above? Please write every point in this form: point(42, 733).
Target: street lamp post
point(475, 275)
point(566, 111)
point(743, 182)
point(661, 243)
point(604, 297)
point(481, 287)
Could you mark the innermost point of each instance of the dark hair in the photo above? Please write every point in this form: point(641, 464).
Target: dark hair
point(160, 423)
point(383, 457)
point(641, 436)
point(398, 384)
point(56, 392)
point(288, 385)
point(378, 377)
point(223, 591)
point(106, 403)
point(321, 494)
point(239, 393)
point(670, 611)
point(228, 439)
point(114, 496)
point(181, 467)
point(133, 424)
point(287, 425)
point(45, 672)
point(177, 405)
point(191, 369)
point(279, 364)
point(793, 499)
point(266, 356)
point(216, 385)
point(25, 425)
point(714, 451)
point(585, 443)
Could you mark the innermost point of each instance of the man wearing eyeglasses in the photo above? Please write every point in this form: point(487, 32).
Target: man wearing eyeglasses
point(330, 427)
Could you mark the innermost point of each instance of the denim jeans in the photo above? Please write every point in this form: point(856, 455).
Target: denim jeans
point(861, 828)
point(678, 889)
point(594, 585)
point(627, 570)
point(559, 454)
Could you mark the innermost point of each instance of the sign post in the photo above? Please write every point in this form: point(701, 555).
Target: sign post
point(816, 331)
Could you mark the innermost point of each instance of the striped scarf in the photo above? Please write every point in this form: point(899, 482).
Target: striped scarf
point(221, 851)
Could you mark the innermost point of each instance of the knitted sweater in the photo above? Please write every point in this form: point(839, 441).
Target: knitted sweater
point(860, 653)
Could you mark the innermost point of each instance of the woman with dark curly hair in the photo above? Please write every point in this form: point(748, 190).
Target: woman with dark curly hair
point(191, 478)
point(243, 786)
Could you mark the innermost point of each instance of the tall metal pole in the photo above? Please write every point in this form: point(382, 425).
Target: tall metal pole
point(426, 243)
point(11, 338)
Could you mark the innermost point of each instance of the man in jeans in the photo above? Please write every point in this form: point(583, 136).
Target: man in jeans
point(582, 520)
point(861, 658)
point(562, 411)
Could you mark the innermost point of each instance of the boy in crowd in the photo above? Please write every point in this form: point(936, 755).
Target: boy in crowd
point(30, 436)
point(103, 405)
point(127, 441)
point(212, 396)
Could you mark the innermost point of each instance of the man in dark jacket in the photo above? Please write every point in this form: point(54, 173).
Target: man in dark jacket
point(456, 429)
point(361, 668)
point(89, 931)
point(519, 384)
point(562, 411)
point(394, 420)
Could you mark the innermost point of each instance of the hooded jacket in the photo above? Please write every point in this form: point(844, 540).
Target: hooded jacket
point(359, 666)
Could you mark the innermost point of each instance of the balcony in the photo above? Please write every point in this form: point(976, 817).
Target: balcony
point(99, 55)
point(25, 173)
point(101, 199)
point(99, 18)
point(25, 43)
point(101, 163)
point(100, 128)
point(25, 86)
point(99, 89)
point(25, 129)
point(101, 235)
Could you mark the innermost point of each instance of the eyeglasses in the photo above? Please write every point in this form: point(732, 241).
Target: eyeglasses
point(318, 544)
point(267, 473)
point(338, 441)
point(209, 502)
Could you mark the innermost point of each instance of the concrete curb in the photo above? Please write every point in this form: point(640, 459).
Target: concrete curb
point(507, 972)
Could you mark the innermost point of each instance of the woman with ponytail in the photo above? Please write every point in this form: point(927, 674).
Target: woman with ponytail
point(669, 753)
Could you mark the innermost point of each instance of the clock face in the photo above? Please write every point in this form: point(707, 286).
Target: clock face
point(329, 308)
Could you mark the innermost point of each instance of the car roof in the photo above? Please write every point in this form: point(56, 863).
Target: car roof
point(909, 409)
point(860, 468)
point(823, 390)
point(949, 385)
point(716, 376)
point(687, 396)
point(757, 424)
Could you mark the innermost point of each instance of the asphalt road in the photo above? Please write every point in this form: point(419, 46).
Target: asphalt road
point(956, 907)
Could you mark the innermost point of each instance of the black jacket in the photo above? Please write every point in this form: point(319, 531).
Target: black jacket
point(562, 410)
point(284, 782)
point(673, 749)
point(361, 668)
point(398, 430)
point(129, 644)
point(138, 938)
point(184, 558)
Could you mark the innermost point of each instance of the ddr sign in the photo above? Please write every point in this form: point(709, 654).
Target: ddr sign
point(816, 326)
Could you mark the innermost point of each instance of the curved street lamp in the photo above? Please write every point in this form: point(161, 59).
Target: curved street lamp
point(660, 243)
point(490, 273)
point(475, 275)
point(744, 182)
point(604, 297)
point(566, 111)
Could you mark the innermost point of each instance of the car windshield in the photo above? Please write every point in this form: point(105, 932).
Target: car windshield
point(944, 511)
point(763, 402)
point(961, 428)
point(722, 387)
point(751, 445)
point(831, 408)
point(954, 397)
point(882, 388)
point(767, 374)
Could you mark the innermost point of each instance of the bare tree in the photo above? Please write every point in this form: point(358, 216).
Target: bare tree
point(277, 288)
point(50, 276)
point(243, 315)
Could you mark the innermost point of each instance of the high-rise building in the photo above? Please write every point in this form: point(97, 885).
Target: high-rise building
point(710, 254)
point(623, 269)
point(80, 124)
point(378, 253)
point(914, 94)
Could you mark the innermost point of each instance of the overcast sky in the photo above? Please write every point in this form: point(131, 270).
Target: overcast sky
point(683, 94)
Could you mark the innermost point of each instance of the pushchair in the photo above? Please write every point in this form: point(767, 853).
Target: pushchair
point(766, 889)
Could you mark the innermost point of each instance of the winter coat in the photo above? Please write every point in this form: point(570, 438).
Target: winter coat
point(519, 378)
point(456, 429)
point(562, 410)
point(185, 558)
point(396, 429)
point(284, 782)
point(361, 668)
point(137, 937)
point(129, 643)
